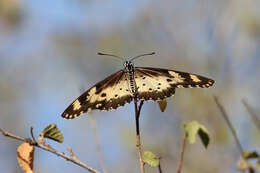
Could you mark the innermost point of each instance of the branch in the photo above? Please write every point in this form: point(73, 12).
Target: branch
point(252, 114)
point(98, 145)
point(46, 148)
point(159, 166)
point(233, 131)
point(231, 127)
point(138, 138)
point(181, 154)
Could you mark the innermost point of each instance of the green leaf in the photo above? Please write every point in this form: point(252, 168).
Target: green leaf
point(250, 154)
point(192, 129)
point(204, 136)
point(162, 104)
point(151, 159)
point(52, 132)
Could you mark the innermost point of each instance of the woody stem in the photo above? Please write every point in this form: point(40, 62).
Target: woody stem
point(138, 138)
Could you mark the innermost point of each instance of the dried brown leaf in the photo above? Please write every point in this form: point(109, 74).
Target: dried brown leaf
point(25, 154)
point(162, 104)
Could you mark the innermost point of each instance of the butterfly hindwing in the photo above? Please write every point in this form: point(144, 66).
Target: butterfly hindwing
point(157, 83)
point(108, 94)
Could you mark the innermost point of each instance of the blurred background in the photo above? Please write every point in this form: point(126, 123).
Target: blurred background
point(48, 57)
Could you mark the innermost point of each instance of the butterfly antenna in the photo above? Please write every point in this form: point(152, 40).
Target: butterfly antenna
point(152, 53)
point(118, 57)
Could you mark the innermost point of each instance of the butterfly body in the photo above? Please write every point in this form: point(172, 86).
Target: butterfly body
point(129, 69)
point(145, 83)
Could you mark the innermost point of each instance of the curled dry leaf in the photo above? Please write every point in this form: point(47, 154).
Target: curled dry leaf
point(25, 153)
point(244, 165)
point(162, 104)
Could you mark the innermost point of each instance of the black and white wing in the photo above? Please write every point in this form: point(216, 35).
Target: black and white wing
point(110, 93)
point(158, 84)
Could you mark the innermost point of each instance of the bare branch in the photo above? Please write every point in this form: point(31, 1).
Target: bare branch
point(159, 167)
point(36, 144)
point(231, 127)
point(233, 131)
point(32, 135)
point(252, 114)
point(98, 145)
point(140, 107)
point(7, 134)
point(181, 154)
point(138, 138)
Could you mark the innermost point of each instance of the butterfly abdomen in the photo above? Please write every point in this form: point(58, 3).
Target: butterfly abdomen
point(133, 86)
point(129, 69)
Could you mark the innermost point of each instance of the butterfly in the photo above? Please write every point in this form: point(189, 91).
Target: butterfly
point(144, 83)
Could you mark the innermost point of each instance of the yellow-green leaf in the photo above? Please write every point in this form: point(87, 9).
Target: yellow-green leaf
point(52, 132)
point(151, 159)
point(250, 154)
point(162, 104)
point(192, 129)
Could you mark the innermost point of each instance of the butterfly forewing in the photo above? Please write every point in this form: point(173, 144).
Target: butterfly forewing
point(108, 94)
point(151, 84)
point(157, 83)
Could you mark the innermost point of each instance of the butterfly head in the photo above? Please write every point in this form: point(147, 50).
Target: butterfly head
point(129, 66)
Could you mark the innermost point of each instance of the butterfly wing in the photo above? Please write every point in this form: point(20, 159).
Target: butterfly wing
point(110, 93)
point(157, 83)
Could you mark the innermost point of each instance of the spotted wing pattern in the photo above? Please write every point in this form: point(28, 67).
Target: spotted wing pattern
point(108, 94)
point(152, 84)
point(158, 84)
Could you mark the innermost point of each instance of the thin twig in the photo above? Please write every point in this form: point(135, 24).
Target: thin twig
point(98, 145)
point(138, 138)
point(72, 155)
point(159, 167)
point(181, 154)
point(32, 135)
point(7, 134)
point(36, 144)
point(95, 130)
point(231, 127)
point(252, 114)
